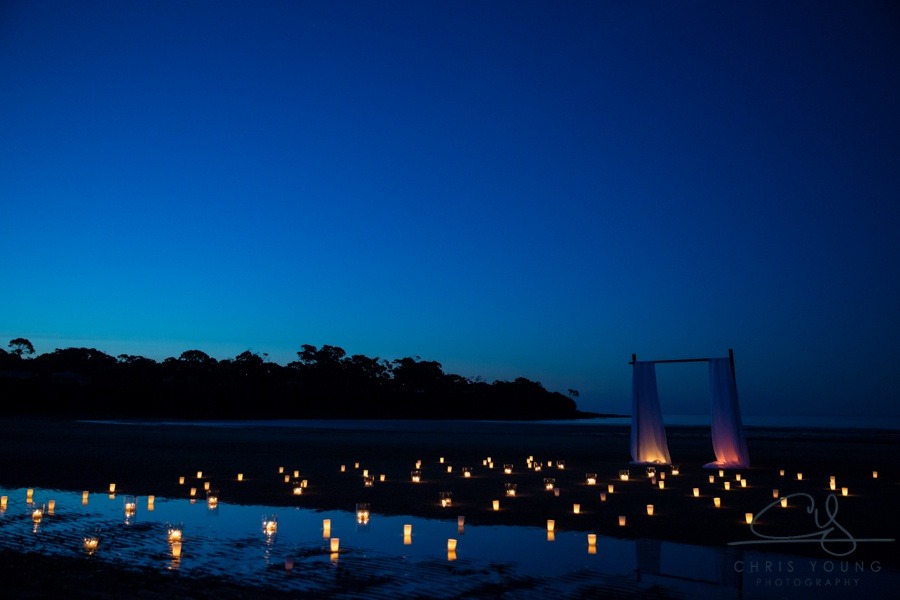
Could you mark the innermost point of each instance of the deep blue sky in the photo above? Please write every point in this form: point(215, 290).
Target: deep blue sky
point(531, 189)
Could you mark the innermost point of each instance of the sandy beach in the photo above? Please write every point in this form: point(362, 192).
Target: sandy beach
point(144, 459)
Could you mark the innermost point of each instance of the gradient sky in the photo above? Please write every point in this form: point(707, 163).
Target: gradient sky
point(510, 188)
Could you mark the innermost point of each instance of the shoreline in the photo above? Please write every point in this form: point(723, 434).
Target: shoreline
point(145, 459)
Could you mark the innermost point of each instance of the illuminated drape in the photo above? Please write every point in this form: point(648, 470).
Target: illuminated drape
point(728, 440)
point(648, 434)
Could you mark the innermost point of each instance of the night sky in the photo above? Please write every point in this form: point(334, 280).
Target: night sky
point(534, 189)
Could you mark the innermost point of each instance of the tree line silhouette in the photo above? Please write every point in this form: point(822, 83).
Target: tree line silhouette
point(322, 383)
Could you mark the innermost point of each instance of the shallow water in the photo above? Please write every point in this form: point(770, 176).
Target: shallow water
point(375, 560)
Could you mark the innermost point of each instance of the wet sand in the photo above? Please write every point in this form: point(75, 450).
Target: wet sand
point(143, 459)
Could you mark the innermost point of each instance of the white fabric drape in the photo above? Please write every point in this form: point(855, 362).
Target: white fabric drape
point(728, 440)
point(648, 434)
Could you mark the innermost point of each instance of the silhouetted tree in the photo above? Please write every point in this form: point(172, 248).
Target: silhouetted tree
point(20, 346)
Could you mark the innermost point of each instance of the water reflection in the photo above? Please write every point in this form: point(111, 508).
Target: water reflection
point(253, 543)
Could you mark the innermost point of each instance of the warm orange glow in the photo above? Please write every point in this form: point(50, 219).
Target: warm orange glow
point(91, 543)
point(416, 476)
point(748, 517)
point(199, 474)
point(784, 503)
point(623, 475)
point(451, 545)
point(696, 492)
point(592, 539)
point(717, 502)
point(743, 483)
point(451, 555)
point(727, 485)
point(781, 472)
point(181, 480)
point(775, 493)
point(874, 474)
point(576, 508)
point(173, 534)
point(621, 520)
point(510, 489)
point(712, 478)
point(507, 469)
point(662, 484)
point(551, 535)
point(446, 499)
point(799, 476)
point(407, 530)
point(845, 491)
point(112, 488)
point(551, 525)
point(602, 496)
point(591, 479)
point(832, 485)
point(343, 468)
point(650, 509)
point(335, 544)
point(176, 549)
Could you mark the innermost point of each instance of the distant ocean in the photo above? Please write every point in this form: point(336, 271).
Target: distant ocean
point(750, 421)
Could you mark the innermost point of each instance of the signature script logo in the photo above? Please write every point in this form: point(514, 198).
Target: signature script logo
point(831, 536)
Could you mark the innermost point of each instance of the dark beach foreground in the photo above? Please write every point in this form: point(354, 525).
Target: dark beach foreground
point(143, 459)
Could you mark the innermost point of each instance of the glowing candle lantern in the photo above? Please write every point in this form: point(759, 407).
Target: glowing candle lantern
point(130, 505)
point(212, 498)
point(381, 477)
point(343, 468)
point(727, 485)
point(37, 514)
point(650, 509)
point(368, 481)
point(775, 493)
point(51, 506)
point(650, 471)
point(449, 468)
point(451, 545)
point(610, 488)
point(696, 492)
point(407, 530)
point(748, 517)
point(549, 483)
point(590, 478)
point(743, 483)
point(3, 502)
point(84, 496)
point(270, 524)
point(721, 472)
point(662, 475)
point(280, 470)
point(576, 508)
point(442, 460)
point(297, 474)
point(621, 520)
point(356, 465)
point(832, 485)
point(467, 472)
point(675, 470)
point(537, 467)
point(181, 480)
point(287, 478)
point(173, 533)
point(737, 476)
point(365, 473)
point(712, 478)
point(91, 543)
point(151, 501)
point(623, 475)
point(419, 464)
point(592, 539)
point(561, 464)
point(507, 469)
point(326, 528)
point(446, 499)
point(176, 549)
point(602, 496)
point(874, 474)
point(304, 483)
point(199, 474)
point(510, 489)
point(416, 476)
point(717, 502)
point(335, 544)
point(556, 491)
point(206, 486)
point(845, 491)
point(662, 484)
point(490, 464)
point(832, 478)
point(551, 525)
point(112, 488)
point(784, 503)
point(362, 513)
point(495, 504)
point(781, 472)
point(484, 463)
point(193, 492)
point(799, 476)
